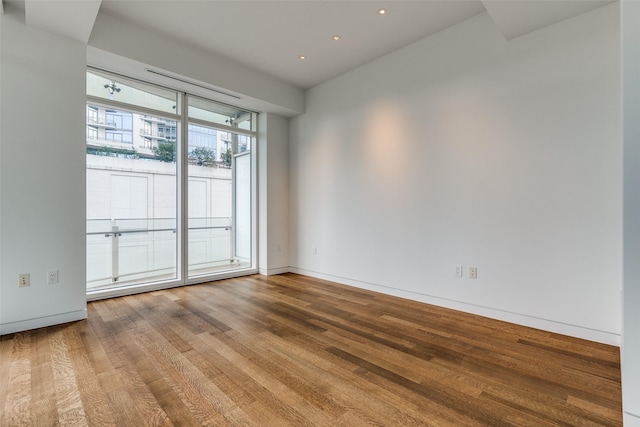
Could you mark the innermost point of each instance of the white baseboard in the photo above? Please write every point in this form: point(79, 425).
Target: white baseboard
point(492, 313)
point(273, 271)
point(42, 322)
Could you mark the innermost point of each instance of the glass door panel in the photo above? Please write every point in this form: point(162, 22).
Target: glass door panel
point(210, 214)
point(131, 197)
point(242, 220)
point(219, 234)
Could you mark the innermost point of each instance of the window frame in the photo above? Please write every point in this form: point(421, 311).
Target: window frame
point(181, 116)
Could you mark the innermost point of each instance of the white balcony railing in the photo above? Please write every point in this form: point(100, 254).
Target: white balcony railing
point(132, 251)
point(101, 123)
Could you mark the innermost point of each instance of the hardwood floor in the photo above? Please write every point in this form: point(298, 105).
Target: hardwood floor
point(292, 350)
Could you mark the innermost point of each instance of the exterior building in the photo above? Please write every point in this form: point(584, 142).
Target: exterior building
point(126, 134)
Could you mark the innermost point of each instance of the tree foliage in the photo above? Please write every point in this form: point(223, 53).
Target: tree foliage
point(165, 151)
point(226, 158)
point(113, 152)
point(203, 156)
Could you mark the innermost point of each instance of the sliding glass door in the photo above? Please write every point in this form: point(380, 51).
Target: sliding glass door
point(217, 135)
point(152, 155)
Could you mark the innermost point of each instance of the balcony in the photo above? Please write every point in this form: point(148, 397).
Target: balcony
point(161, 136)
point(126, 252)
point(158, 120)
point(101, 123)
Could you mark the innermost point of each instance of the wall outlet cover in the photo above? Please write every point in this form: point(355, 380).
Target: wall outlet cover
point(52, 277)
point(459, 271)
point(24, 280)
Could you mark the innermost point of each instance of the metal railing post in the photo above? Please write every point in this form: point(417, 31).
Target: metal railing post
point(115, 252)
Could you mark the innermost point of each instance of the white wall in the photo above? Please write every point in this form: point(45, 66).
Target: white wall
point(273, 193)
point(42, 188)
point(631, 322)
point(466, 149)
point(1, 38)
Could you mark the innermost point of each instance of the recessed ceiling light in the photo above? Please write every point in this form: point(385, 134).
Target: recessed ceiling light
point(302, 57)
point(382, 11)
point(336, 37)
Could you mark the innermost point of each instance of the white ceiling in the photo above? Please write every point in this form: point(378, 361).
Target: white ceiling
point(518, 17)
point(269, 35)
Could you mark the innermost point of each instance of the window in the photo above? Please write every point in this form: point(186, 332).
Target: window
point(136, 235)
point(215, 132)
point(200, 136)
point(92, 114)
point(147, 128)
point(113, 136)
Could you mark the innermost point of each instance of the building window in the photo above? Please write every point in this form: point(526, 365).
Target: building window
point(92, 114)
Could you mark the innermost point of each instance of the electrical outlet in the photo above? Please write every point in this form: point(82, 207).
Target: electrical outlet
point(473, 272)
point(458, 271)
point(52, 277)
point(24, 280)
point(315, 250)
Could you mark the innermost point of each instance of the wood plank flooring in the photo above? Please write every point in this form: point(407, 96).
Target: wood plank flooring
point(293, 350)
